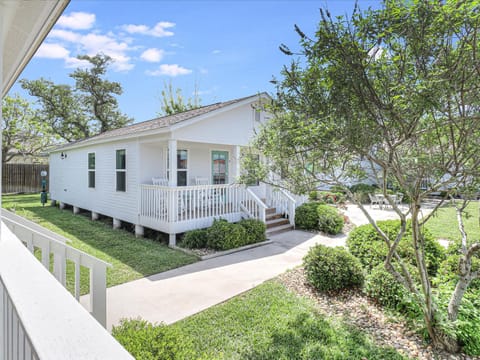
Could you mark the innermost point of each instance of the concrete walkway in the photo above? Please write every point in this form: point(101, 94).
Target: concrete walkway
point(175, 294)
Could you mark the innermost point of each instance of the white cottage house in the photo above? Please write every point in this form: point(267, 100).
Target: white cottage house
point(172, 174)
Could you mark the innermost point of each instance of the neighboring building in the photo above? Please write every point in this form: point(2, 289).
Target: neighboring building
point(171, 174)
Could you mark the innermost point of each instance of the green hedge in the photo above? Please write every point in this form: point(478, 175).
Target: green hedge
point(365, 243)
point(254, 230)
point(306, 216)
point(195, 239)
point(329, 268)
point(223, 235)
point(388, 292)
point(329, 220)
point(151, 342)
point(316, 216)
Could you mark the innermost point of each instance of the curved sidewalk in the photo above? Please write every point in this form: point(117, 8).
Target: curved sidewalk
point(178, 293)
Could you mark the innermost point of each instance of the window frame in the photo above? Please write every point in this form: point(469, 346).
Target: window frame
point(91, 170)
point(186, 170)
point(121, 170)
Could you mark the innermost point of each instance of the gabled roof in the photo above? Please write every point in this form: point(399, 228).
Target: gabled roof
point(162, 123)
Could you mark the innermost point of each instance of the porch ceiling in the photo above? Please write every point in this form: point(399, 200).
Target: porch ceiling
point(24, 26)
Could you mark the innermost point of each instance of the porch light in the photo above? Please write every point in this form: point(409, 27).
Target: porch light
point(63, 155)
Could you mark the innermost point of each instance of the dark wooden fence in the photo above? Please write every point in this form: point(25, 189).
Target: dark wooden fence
point(22, 178)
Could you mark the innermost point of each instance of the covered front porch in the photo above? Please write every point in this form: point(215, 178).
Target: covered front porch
point(178, 209)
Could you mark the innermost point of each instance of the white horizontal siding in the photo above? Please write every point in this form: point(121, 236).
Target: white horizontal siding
point(69, 180)
point(233, 127)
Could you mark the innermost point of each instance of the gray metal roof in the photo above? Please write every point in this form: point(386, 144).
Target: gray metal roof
point(155, 124)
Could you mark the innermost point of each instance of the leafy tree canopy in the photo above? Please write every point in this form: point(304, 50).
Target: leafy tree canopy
point(23, 132)
point(88, 108)
point(391, 94)
point(173, 101)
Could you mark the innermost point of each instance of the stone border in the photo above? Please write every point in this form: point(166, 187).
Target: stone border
point(222, 253)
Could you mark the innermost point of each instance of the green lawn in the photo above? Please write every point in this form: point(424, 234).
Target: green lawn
point(444, 224)
point(131, 258)
point(268, 322)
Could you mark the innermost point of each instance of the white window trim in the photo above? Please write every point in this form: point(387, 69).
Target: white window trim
point(121, 170)
point(167, 167)
point(94, 170)
point(228, 164)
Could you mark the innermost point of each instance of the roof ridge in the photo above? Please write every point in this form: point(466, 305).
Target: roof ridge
point(163, 121)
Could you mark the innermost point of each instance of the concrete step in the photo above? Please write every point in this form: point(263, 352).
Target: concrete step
point(276, 222)
point(279, 229)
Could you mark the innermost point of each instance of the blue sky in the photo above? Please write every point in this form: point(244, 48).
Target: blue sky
point(227, 49)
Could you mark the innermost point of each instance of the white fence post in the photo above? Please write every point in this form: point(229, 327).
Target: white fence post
point(98, 295)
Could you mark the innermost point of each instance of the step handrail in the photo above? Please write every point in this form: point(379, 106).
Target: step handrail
point(261, 205)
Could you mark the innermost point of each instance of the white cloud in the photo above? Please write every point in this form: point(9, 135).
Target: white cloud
point(159, 30)
point(73, 62)
point(169, 70)
point(52, 51)
point(65, 35)
point(216, 52)
point(152, 55)
point(77, 20)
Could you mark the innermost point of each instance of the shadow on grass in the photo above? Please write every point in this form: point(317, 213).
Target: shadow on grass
point(313, 337)
point(131, 258)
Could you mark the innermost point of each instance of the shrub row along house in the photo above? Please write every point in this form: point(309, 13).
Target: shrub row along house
point(172, 174)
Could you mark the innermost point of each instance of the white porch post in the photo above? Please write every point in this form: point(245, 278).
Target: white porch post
point(172, 158)
point(172, 183)
point(237, 155)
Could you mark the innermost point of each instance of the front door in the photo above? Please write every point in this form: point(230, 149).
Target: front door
point(219, 167)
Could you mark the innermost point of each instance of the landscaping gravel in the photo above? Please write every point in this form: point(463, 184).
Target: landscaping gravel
point(356, 309)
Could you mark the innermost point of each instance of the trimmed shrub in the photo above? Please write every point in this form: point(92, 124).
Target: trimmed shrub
point(254, 231)
point(329, 220)
point(388, 292)
point(467, 326)
point(306, 216)
point(195, 239)
point(312, 195)
point(329, 268)
point(150, 342)
point(448, 272)
point(223, 235)
point(365, 243)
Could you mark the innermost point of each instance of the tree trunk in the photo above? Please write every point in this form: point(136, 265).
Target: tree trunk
point(440, 339)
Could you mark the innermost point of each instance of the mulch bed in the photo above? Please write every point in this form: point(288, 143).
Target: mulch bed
point(356, 309)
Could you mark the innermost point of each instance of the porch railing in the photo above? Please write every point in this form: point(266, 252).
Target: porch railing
point(254, 207)
point(59, 253)
point(282, 201)
point(39, 319)
point(188, 203)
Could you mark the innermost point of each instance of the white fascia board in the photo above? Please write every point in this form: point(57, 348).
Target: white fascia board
point(24, 27)
point(136, 135)
point(199, 118)
point(164, 130)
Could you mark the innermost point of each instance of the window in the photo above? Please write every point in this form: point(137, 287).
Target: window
point(182, 167)
point(91, 170)
point(121, 166)
point(220, 167)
